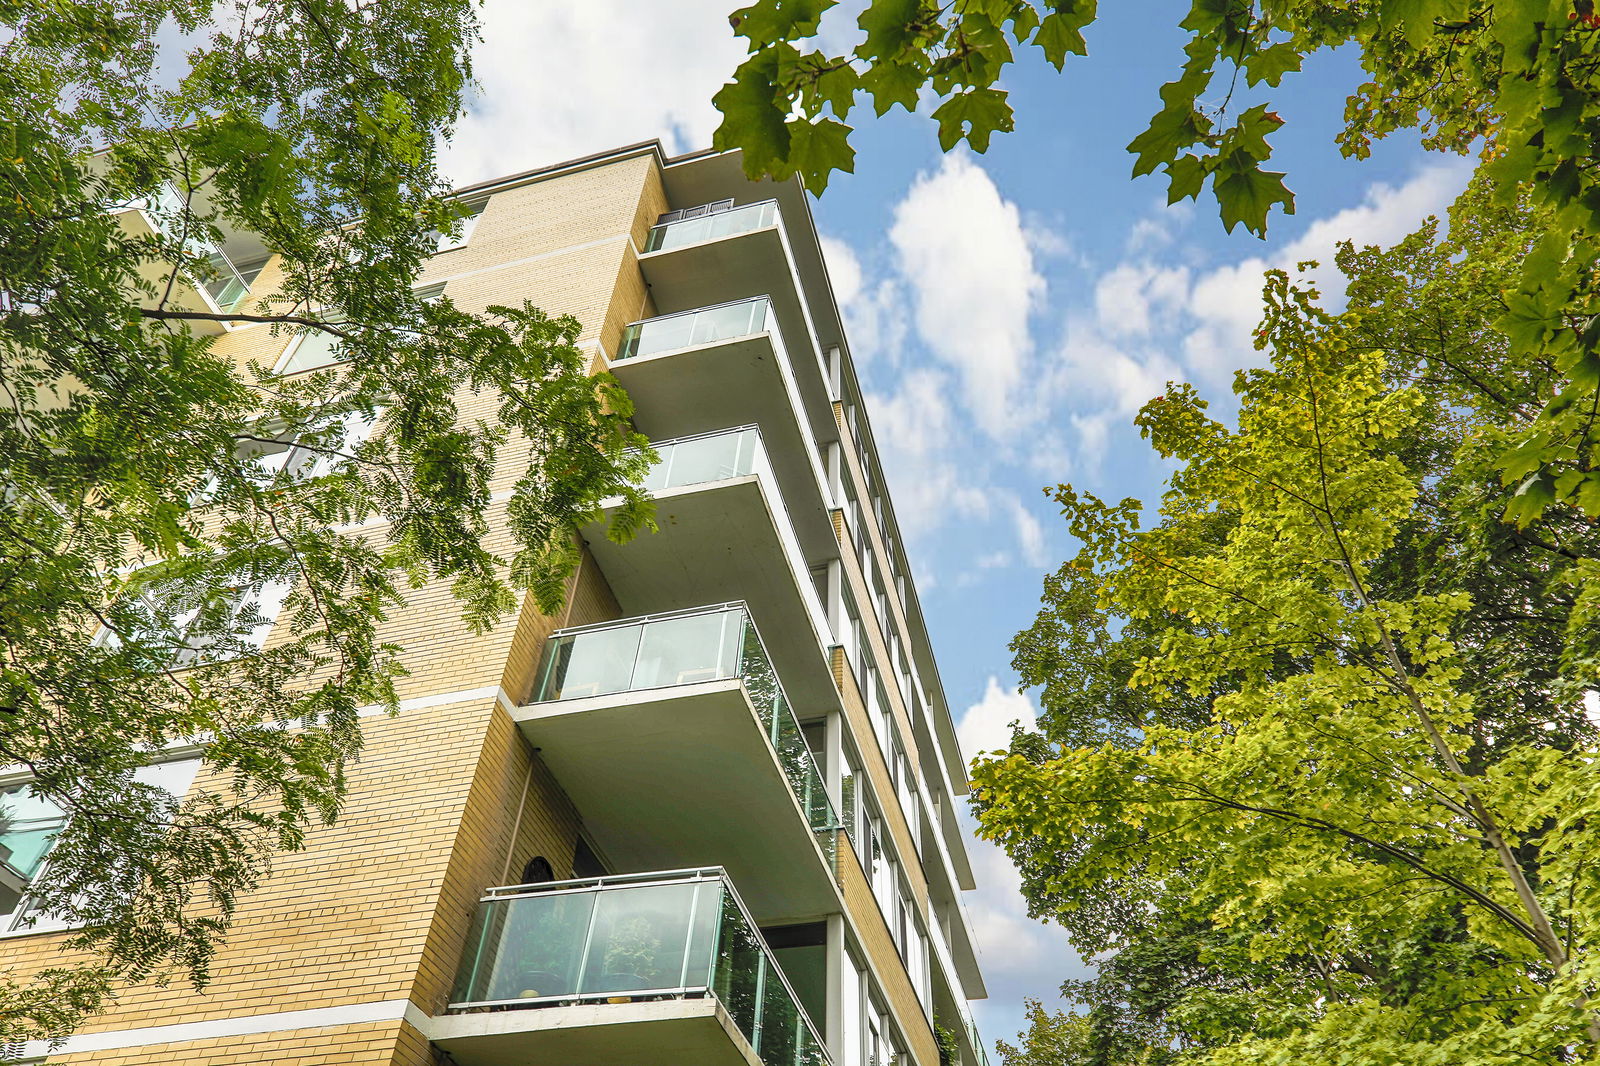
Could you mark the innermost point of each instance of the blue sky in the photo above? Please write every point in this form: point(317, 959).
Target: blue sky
point(1008, 312)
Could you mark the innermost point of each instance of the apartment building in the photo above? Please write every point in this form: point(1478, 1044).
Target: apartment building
point(707, 815)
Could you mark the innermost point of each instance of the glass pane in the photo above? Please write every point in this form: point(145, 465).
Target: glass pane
point(711, 227)
point(701, 955)
point(782, 1025)
point(739, 964)
point(760, 680)
point(681, 651)
point(708, 458)
point(706, 326)
point(525, 948)
point(28, 824)
point(589, 664)
point(702, 459)
point(665, 335)
point(313, 350)
point(641, 938)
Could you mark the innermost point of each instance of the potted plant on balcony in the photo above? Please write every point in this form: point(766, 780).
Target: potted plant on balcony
point(544, 949)
point(631, 959)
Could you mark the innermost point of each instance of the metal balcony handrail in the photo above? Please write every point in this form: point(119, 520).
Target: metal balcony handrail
point(698, 310)
point(657, 445)
point(580, 884)
point(833, 821)
point(640, 619)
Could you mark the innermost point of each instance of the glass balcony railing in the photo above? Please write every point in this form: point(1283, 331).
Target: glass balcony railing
point(977, 1043)
point(710, 226)
point(707, 457)
point(705, 644)
point(690, 329)
point(622, 939)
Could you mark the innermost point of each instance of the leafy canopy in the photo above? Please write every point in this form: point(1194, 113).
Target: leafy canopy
point(1513, 80)
point(1315, 762)
point(147, 496)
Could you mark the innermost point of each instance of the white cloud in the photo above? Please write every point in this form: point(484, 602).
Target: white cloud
point(1132, 297)
point(986, 725)
point(915, 420)
point(1151, 320)
point(1118, 377)
point(966, 259)
point(874, 310)
point(1226, 302)
point(563, 80)
point(1030, 534)
point(844, 269)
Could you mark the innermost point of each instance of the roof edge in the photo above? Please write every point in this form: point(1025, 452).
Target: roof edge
point(552, 170)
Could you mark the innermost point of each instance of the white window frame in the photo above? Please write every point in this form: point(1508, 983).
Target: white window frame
point(269, 603)
point(18, 923)
point(468, 223)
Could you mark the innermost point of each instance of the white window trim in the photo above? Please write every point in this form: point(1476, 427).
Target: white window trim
point(10, 925)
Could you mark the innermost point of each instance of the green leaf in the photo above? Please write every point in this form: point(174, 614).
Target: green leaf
point(819, 148)
point(890, 27)
point(973, 115)
point(1529, 319)
point(752, 117)
point(1246, 196)
point(1271, 64)
point(1169, 132)
point(1186, 174)
point(770, 21)
point(1059, 35)
point(1415, 18)
point(837, 87)
point(893, 82)
point(1588, 496)
point(1536, 493)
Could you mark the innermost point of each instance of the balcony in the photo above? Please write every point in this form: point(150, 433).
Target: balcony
point(726, 533)
point(631, 971)
point(701, 370)
point(734, 255)
point(208, 283)
point(675, 738)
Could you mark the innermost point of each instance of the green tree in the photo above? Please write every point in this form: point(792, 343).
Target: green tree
point(1315, 759)
point(1052, 1038)
point(1517, 81)
point(144, 522)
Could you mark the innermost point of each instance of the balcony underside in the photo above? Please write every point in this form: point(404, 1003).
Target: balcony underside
point(719, 542)
point(671, 778)
point(671, 1032)
point(738, 267)
point(733, 383)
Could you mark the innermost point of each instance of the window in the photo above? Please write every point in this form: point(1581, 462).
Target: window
point(309, 351)
point(851, 995)
point(274, 451)
point(29, 825)
point(296, 455)
point(715, 207)
point(317, 348)
point(450, 242)
point(169, 623)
